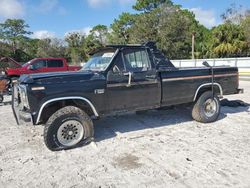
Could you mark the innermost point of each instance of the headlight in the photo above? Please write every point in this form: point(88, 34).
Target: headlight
point(23, 96)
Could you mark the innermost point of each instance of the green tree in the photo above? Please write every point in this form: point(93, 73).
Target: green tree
point(144, 28)
point(245, 23)
point(170, 27)
point(100, 33)
point(121, 29)
point(91, 44)
point(175, 32)
point(149, 5)
point(228, 40)
point(5, 49)
point(51, 48)
point(76, 49)
point(203, 38)
point(13, 31)
point(30, 46)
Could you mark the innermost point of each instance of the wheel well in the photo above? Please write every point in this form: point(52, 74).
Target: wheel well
point(51, 108)
point(207, 88)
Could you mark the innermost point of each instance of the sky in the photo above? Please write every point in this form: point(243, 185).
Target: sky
point(55, 18)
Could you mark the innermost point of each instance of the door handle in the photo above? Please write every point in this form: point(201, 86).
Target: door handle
point(150, 76)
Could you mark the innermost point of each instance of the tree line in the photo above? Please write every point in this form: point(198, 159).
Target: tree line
point(162, 21)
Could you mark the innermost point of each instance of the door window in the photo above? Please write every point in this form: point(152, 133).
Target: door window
point(55, 63)
point(39, 64)
point(118, 64)
point(136, 60)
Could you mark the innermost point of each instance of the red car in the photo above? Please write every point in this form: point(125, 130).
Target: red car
point(40, 65)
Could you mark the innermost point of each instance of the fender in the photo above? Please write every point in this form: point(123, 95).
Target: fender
point(65, 98)
point(208, 84)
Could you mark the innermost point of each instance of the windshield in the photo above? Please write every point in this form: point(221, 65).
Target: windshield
point(25, 64)
point(99, 61)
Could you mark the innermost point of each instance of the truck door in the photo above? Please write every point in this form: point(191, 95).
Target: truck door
point(37, 67)
point(132, 82)
point(55, 65)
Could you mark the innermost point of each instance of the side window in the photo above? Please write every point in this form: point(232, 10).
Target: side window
point(55, 63)
point(118, 64)
point(39, 64)
point(136, 60)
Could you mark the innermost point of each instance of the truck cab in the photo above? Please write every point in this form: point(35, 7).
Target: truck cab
point(131, 72)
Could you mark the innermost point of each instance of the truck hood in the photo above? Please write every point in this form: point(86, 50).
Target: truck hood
point(9, 63)
point(60, 77)
point(13, 71)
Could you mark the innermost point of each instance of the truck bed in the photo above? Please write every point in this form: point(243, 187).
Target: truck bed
point(189, 80)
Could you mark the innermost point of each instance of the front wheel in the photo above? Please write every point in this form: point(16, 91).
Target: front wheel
point(206, 108)
point(68, 128)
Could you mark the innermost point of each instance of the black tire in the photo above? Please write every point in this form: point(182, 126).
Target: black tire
point(60, 118)
point(207, 108)
point(1, 98)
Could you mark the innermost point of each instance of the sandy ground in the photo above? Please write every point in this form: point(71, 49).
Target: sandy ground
point(155, 149)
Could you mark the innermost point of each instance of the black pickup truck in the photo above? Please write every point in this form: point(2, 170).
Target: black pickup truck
point(116, 79)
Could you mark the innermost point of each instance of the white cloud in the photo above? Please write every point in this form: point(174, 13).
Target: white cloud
point(101, 3)
point(83, 31)
point(48, 5)
point(98, 3)
point(205, 17)
point(43, 34)
point(11, 9)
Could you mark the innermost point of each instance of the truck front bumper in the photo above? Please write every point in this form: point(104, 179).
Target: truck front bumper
point(22, 117)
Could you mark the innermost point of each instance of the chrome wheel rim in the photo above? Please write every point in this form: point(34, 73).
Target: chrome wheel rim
point(70, 133)
point(210, 107)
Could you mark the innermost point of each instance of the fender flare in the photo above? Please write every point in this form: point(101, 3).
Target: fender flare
point(208, 84)
point(65, 98)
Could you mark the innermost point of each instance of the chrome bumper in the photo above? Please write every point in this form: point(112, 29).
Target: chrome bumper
point(21, 116)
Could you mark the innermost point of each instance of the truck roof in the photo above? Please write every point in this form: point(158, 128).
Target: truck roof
point(49, 58)
point(124, 46)
point(149, 44)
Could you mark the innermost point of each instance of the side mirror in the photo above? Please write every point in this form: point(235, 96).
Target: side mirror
point(115, 69)
point(206, 64)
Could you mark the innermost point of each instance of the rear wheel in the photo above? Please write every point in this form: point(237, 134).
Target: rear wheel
point(207, 108)
point(68, 128)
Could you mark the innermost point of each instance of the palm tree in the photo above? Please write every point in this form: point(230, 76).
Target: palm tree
point(228, 40)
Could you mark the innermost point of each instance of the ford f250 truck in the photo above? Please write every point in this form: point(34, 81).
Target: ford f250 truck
point(41, 65)
point(116, 79)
